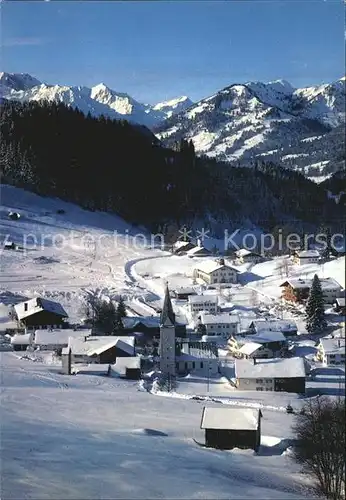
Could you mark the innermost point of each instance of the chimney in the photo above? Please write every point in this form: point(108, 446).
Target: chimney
point(222, 262)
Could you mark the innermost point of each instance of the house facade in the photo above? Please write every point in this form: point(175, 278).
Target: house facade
point(331, 351)
point(220, 325)
point(303, 257)
point(287, 375)
point(199, 303)
point(183, 293)
point(228, 428)
point(215, 272)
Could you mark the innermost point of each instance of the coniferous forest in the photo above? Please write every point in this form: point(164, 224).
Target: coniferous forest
point(114, 166)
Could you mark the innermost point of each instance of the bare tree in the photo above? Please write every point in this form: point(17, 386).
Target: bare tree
point(320, 446)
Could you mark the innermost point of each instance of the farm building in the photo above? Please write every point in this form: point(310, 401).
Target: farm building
point(228, 428)
point(278, 374)
point(40, 313)
point(181, 247)
point(149, 326)
point(215, 272)
point(127, 367)
point(302, 257)
point(198, 251)
point(331, 351)
point(202, 361)
point(287, 327)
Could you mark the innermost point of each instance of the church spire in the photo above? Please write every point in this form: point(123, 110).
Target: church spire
point(167, 315)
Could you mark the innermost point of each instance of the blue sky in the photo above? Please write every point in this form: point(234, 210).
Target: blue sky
point(159, 50)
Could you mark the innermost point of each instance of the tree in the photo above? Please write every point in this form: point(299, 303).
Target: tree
point(315, 317)
point(120, 314)
point(320, 445)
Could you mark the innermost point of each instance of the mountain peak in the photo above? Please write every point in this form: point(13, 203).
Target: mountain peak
point(18, 81)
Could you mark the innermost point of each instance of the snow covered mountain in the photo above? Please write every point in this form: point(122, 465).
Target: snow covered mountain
point(96, 100)
point(272, 121)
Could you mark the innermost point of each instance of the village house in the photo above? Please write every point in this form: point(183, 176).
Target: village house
point(297, 290)
point(181, 247)
point(199, 303)
point(214, 272)
point(227, 428)
point(273, 344)
point(287, 327)
point(220, 325)
point(183, 293)
point(40, 313)
point(303, 257)
point(149, 327)
point(279, 374)
point(20, 342)
point(100, 349)
point(52, 340)
point(331, 351)
point(127, 367)
point(244, 256)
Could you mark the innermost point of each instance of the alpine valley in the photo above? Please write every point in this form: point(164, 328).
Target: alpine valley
point(301, 129)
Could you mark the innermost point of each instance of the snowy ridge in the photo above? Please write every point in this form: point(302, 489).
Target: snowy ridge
point(98, 100)
point(269, 121)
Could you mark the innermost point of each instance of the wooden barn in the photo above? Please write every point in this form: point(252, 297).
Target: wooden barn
point(40, 313)
point(227, 428)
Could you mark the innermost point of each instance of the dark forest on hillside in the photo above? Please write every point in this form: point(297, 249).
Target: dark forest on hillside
point(114, 166)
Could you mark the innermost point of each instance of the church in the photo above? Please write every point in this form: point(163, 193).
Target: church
point(167, 337)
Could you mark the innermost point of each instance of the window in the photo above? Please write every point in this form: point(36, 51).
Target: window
point(259, 388)
point(201, 364)
point(259, 381)
point(193, 365)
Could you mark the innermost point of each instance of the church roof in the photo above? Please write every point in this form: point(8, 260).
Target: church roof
point(167, 315)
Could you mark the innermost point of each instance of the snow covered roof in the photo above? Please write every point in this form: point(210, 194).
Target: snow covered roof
point(195, 353)
point(212, 319)
point(270, 368)
point(307, 254)
point(340, 301)
point(127, 362)
point(263, 337)
point(58, 337)
point(24, 339)
point(326, 283)
point(148, 321)
point(197, 249)
point(181, 244)
point(186, 289)
point(210, 266)
point(243, 252)
point(33, 306)
point(274, 325)
point(94, 346)
point(95, 368)
point(249, 348)
point(198, 299)
point(333, 346)
point(230, 418)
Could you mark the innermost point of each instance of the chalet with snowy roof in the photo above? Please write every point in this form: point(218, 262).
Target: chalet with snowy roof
point(40, 313)
point(181, 247)
point(100, 349)
point(339, 305)
point(199, 303)
point(149, 327)
point(278, 374)
point(287, 327)
point(198, 251)
point(183, 293)
point(220, 325)
point(297, 289)
point(303, 257)
point(227, 428)
point(331, 351)
point(52, 340)
point(244, 256)
point(214, 272)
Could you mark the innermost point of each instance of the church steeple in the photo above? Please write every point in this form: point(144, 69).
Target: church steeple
point(167, 315)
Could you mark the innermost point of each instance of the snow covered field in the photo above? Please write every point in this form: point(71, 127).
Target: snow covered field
point(88, 436)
